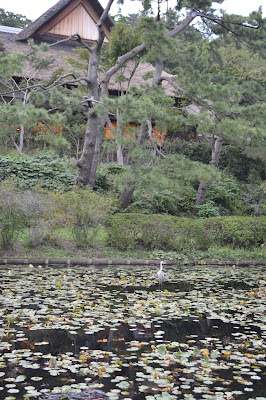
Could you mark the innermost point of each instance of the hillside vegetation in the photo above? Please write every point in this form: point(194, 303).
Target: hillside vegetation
point(42, 212)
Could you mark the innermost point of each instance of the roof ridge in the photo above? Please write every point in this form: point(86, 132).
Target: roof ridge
point(52, 12)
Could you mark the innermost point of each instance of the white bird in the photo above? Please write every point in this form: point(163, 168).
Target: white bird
point(160, 272)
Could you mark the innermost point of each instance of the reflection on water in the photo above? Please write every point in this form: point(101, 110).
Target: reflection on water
point(109, 339)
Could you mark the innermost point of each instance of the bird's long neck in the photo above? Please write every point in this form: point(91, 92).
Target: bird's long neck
point(161, 266)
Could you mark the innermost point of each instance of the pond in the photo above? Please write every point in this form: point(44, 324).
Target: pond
point(117, 333)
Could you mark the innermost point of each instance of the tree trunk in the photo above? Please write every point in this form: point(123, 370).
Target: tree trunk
point(126, 196)
point(143, 134)
point(97, 149)
point(119, 154)
point(19, 147)
point(93, 135)
point(88, 161)
point(85, 163)
point(86, 173)
point(217, 143)
point(201, 194)
point(77, 148)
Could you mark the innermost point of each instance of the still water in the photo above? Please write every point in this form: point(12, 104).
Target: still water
point(117, 333)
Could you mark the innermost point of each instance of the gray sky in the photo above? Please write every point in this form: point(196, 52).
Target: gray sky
point(33, 9)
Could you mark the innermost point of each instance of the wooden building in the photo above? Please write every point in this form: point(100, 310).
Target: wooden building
point(64, 19)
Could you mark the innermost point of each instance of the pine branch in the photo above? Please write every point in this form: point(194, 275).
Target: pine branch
point(138, 49)
point(219, 21)
point(56, 84)
point(79, 39)
point(100, 25)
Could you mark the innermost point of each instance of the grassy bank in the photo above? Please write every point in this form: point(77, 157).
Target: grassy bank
point(63, 245)
point(82, 224)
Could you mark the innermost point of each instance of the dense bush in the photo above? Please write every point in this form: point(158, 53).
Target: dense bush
point(167, 186)
point(127, 231)
point(44, 170)
point(83, 210)
point(207, 210)
point(195, 151)
point(242, 232)
point(105, 176)
point(12, 217)
point(227, 194)
point(246, 169)
point(24, 210)
point(40, 213)
point(233, 159)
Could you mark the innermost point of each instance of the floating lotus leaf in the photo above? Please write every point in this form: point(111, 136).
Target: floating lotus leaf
point(203, 329)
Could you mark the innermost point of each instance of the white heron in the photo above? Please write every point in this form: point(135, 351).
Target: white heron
point(160, 272)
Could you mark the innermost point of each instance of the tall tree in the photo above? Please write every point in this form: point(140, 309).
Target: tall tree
point(8, 18)
point(157, 40)
point(31, 104)
point(156, 43)
point(227, 80)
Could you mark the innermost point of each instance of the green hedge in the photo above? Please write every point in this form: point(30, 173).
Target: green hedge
point(128, 231)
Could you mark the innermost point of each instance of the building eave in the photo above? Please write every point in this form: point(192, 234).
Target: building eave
point(50, 14)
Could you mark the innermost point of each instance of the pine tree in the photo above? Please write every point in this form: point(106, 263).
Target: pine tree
point(8, 18)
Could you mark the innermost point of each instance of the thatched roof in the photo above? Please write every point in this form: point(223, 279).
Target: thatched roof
point(14, 40)
point(50, 14)
point(59, 53)
point(143, 73)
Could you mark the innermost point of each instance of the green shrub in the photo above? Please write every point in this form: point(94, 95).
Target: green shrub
point(85, 211)
point(227, 194)
point(44, 171)
point(234, 160)
point(12, 217)
point(195, 151)
point(162, 202)
point(37, 208)
point(28, 210)
point(243, 232)
point(106, 175)
point(207, 210)
point(128, 231)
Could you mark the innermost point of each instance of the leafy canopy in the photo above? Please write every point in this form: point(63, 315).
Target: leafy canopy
point(8, 18)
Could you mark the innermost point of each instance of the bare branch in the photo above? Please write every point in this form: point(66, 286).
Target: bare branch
point(121, 60)
point(56, 83)
point(100, 26)
point(192, 15)
point(105, 12)
point(224, 21)
point(172, 83)
point(132, 74)
point(79, 39)
point(228, 30)
point(180, 89)
point(138, 49)
point(160, 153)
